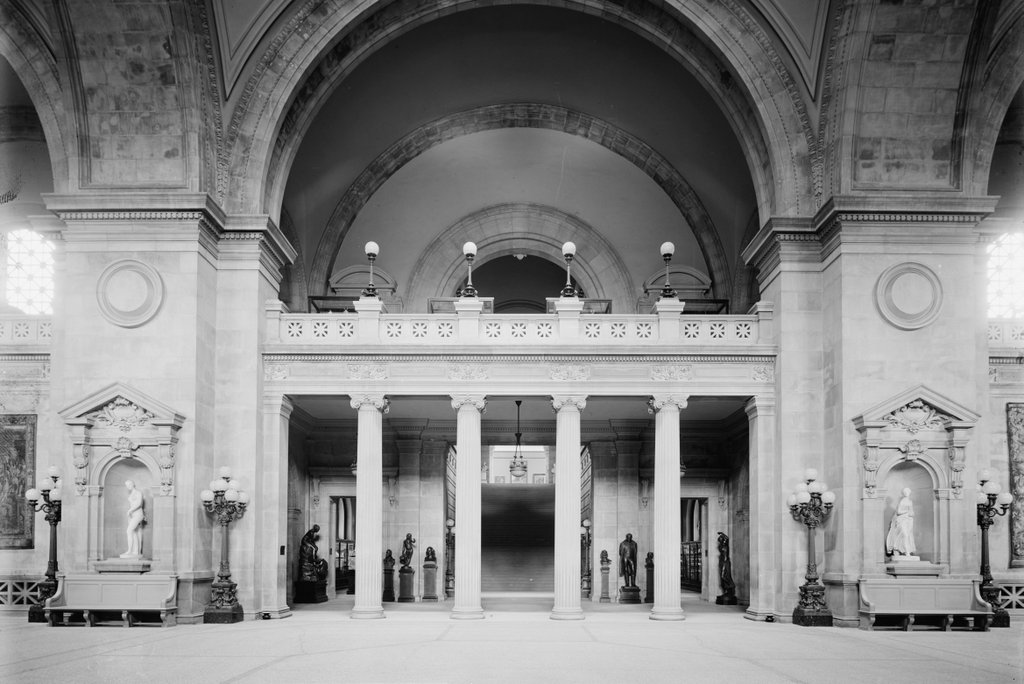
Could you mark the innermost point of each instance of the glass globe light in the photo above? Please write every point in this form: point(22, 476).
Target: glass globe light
point(982, 499)
point(469, 249)
point(985, 474)
point(206, 495)
point(667, 249)
point(1004, 499)
point(234, 484)
point(231, 495)
point(372, 249)
point(803, 497)
point(791, 500)
point(55, 495)
point(992, 487)
point(801, 487)
point(53, 471)
point(811, 474)
point(224, 472)
point(243, 497)
point(218, 485)
point(828, 497)
point(45, 485)
point(32, 495)
point(569, 249)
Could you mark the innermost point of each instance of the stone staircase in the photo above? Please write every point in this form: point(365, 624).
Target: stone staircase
point(517, 538)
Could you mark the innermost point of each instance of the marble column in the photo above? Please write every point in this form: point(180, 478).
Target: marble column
point(467, 507)
point(369, 506)
point(667, 526)
point(567, 507)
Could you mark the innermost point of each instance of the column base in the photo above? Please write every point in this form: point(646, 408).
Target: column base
point(567, 614)
point(367, 614)
point(467, 614)
point(667, 614)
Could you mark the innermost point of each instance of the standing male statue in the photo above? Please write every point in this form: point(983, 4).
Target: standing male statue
point(900, 540)
point(627, 561)
point(136, 516)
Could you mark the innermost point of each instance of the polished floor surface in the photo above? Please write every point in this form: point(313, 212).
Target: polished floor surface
point(516, 642)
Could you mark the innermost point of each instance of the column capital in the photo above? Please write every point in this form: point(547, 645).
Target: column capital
point(660, 401)
point(477, 401)
point(377, 401)
point(566, 401)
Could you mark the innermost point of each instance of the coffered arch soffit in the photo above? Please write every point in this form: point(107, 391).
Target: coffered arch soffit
point(720, 43)
point(531, 229)
point(30, 54)
point(520, 115)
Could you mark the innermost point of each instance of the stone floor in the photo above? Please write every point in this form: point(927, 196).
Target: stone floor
point(517, 642)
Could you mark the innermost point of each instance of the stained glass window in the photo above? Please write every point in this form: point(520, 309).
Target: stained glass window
point(29, 264)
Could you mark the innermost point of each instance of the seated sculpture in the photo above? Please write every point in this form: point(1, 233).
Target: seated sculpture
point(312, 568)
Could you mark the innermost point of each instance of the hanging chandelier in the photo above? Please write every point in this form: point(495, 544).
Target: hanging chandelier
point(518, 465)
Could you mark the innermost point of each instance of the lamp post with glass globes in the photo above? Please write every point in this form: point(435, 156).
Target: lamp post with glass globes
point(667, 250)
point(49, 489)
point(372, 249)
point(469, 249)
point(992, 501)
point(811, 504)
point(585, 541)
point(449, 560)
point(568, 253)
point(226, 500)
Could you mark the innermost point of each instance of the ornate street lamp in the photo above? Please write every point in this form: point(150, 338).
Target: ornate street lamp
point(811, 504)
point(991, 502)
point(585, 540)
point(469, 249)
point(49, 489)
point(667, 250)
point(517, 467)
point(372, 249)
point(449, 558)
point(226, 500)
point(568, 252)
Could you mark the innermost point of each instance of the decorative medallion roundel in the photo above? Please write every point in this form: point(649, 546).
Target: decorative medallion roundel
point(129, 293)
point(908, 295)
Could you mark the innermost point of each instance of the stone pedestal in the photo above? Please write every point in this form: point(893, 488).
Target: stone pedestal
point(351, 582)
point(605, 598)
point(406, 593)
point(123, 565)
point(629, 595)
point(430, 581)
point(223, 616)
point(389, 585)
point(310, 592)
point(916, 568)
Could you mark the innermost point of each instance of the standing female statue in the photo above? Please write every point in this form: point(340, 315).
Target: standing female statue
point(900, 540)
point(136, 516)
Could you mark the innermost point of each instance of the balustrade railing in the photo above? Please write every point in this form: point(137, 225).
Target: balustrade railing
point(1006, 332)
point(633, 331)
point(22, 329)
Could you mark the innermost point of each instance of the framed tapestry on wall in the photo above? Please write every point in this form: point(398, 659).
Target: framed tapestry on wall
point(17, 472)
point(1015, 442)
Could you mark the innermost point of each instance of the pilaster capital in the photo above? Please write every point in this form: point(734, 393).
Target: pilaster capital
point(568, 401)
point(760, 405)
point(477, 401)
point(660, 401)
point(377, 401)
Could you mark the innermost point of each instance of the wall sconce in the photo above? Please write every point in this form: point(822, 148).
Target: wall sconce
point(667, 250)
point(568, 252)
point(372, 250)
point(469, 249)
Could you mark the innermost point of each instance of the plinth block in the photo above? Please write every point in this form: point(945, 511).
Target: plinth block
point(629, 595)
point(223, 616)
point(310, 592)
point(405, 585)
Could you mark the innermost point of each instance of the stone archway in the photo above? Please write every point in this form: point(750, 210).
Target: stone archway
point(720, 43)
point(521, 115)
point(531, 229)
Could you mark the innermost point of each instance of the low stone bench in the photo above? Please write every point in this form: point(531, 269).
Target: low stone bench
point(128, 598)
point(906, 601)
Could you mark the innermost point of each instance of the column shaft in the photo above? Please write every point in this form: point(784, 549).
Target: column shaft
point(667, 525)
point(567, 508)
point(467, 508)
point(369, 507)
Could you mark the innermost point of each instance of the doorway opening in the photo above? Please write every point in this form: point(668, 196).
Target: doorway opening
point(692, 552)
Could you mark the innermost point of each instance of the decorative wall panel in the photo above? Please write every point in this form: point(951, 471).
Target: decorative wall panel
point(17, 470)
point(1015, 440)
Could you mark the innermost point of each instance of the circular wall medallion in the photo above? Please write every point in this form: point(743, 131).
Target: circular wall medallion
point(129, 293)
point(908, 295)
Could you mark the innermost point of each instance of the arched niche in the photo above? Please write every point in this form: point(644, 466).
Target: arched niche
point(916, 439)
point(117, 434)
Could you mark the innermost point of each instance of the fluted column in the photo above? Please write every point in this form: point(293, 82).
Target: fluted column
point(467, 507)
point(667, 528)
point(370, 506)
point(567, 507)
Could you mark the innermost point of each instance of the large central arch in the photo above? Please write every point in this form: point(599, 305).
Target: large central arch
point(748, 80)
point(520, 115)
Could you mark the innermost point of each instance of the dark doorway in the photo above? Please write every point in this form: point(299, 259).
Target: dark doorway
point(517, 538)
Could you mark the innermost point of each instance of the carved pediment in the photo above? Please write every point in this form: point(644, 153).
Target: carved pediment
point(917, 410)
point(121, 407)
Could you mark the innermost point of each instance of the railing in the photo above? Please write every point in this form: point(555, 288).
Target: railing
point(1006, 332)
point(22, 329)
point(475, 328)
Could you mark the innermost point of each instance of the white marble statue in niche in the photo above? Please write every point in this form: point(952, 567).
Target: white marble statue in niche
point(136, 517)
point(899, 543)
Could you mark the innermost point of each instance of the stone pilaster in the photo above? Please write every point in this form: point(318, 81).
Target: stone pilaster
point(370, 500)
point(765, 499)
point(467, 514)
point(567, 507)
point(268, 502)
point(667, 533)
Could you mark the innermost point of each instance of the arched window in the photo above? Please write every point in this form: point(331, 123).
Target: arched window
point(29, 272)
point(1006, 276)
